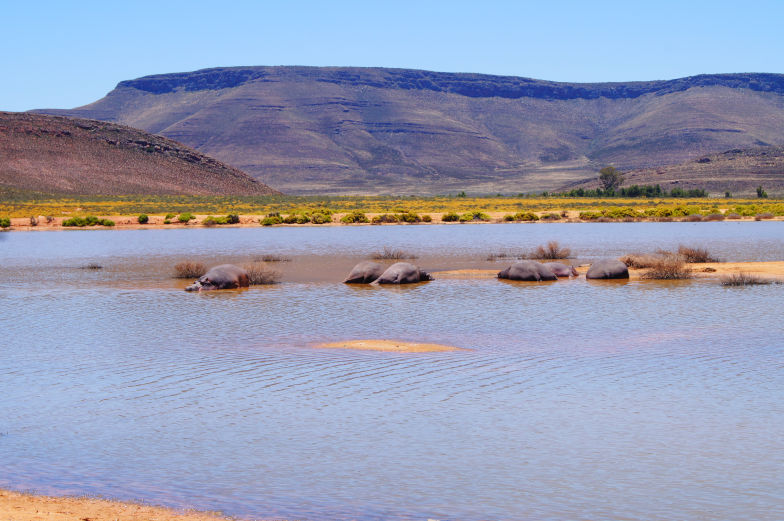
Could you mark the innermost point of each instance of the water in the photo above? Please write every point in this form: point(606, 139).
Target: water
point(576, 400)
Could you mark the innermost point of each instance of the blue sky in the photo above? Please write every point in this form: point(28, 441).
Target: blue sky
point(67, 54)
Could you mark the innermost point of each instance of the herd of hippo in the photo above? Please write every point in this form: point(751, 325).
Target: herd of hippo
point(229, 276)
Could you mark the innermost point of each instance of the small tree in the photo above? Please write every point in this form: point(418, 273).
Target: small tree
point(610, 178)
point(762, 194)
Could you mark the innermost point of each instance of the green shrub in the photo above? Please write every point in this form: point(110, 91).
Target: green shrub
point(186, 217)
point(5, 222)
point(232, 219)
point(408, 217)
point(474, 216)
point(320, 218)
point(167, 221)
point(450, 217)
point(271, 219)
point(90, 220)
point(143, 219)
point(384, 218)
point(210, 221)
point(590, 216)
point(169, 216)
point(354, 217)
point(426, 218)
point(522, 216)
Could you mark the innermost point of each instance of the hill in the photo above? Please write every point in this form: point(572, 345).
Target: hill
point(62, 155)
point(738, 171)
point(373, 130)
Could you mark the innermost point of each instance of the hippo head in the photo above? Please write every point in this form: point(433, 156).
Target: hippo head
point(202, 284)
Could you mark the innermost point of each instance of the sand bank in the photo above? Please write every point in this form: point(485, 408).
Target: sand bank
point(397, 346)
point(15, 506)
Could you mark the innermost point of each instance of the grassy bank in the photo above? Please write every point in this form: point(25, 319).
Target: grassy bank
point(26, 204)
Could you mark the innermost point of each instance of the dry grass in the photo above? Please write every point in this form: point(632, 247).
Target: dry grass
point(694, 218)
point(693, 255)
point(640, 260)
point(272, 258)
point(743, 279)
point(392, 254)
point(260, 273)
point(552, 251)
point(764, 215)
point(668, 268)
point(715, 217)
point(189, 270)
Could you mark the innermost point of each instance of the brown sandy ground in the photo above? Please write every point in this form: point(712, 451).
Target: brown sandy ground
point(15, 506)
point(252, 221)
point(397, 346)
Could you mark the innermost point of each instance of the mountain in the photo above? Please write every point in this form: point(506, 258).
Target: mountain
point(62, 155)
point(374, 130)
point(738, 171)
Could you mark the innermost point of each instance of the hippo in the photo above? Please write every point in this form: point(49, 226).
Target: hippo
point(403, 273)
point(607, 269)
point(225, 276)
point(365, 272)
point(562, 270)
point(527, 270)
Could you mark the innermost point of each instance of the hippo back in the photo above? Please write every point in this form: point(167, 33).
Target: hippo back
point(561, 270)
point(527, 271)
point(607, 269)
point(403, 273)
point(364, 273)
point(224, 276)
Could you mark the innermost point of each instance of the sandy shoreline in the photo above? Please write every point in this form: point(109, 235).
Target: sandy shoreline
point(17, 506)
point(130, 222)
point(395, 346)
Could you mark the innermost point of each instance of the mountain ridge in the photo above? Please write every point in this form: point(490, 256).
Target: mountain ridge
point(375, 130)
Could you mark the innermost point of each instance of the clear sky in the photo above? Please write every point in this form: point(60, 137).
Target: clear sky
point(60, 54)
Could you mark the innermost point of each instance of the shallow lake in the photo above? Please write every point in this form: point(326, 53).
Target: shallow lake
point(575, 400)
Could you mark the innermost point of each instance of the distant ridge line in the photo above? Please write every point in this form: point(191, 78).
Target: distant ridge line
point(465, 84)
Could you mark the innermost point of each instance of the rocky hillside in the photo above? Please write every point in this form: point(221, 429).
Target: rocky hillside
point(738, 171)
point(372, 130)
point(63, 155)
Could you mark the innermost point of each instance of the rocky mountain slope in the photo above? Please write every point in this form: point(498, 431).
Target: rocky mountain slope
point(63, 155)
point(738, 171)
point(373, 130)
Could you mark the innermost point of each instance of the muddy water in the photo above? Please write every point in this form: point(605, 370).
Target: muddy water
point(576, 400)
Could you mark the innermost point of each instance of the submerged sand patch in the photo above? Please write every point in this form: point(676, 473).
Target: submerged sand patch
point(15, 506)
point(396, 346)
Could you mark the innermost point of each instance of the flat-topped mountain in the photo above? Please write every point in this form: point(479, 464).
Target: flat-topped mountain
point(374, 130)
point(79, 156)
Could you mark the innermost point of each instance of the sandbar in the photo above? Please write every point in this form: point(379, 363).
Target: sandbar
point(397, 346)
point(16, 506)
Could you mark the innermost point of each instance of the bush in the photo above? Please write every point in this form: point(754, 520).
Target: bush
point(764, 215)
point(426, 218)
point(90, 220)
point(210, 221)
point(590, 216)
point(733, 215)
point(169, 217)
point(232, 219)
point(743, 279)
point(271, 257)
point(668, 268)
point(522, 216)
point(186, 217)
point(715, 217)
point(695, 255)
point(474, 216)
point(552, 251)
point(5, 222)
point(167, 221)
point(260, 273)
point(354, 217)
point(321, 218)
point(271, 219)
point(693, 218)
point(33, 221)
point(143, 219)
point(450, 217)
point(296, 218)
point(189, 270)
point(391, 254)
point(384, 218)
point(408, 217)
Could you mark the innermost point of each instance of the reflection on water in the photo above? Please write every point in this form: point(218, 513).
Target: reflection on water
point(579, 400)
